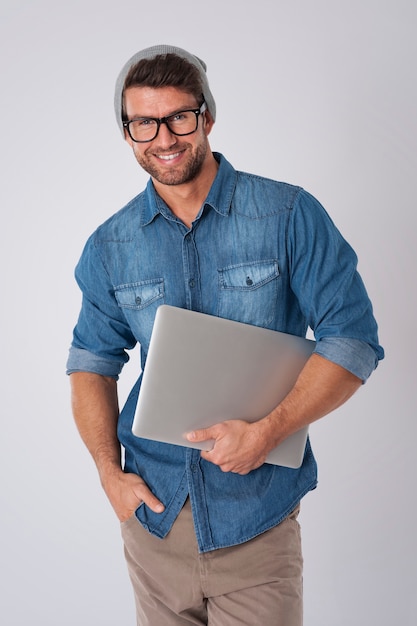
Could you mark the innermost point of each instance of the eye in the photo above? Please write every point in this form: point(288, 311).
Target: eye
point(143, 122)
point(178, 117)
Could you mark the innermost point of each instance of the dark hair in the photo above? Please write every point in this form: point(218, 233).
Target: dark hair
point(165, 70)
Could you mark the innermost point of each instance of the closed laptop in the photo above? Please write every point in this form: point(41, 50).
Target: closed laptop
point(202, 369)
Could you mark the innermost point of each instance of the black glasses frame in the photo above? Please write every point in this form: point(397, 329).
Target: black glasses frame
point(165, 120)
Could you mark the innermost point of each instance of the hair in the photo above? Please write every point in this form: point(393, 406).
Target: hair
point(164, 70)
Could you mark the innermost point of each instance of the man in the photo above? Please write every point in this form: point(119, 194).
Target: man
point(210, 537)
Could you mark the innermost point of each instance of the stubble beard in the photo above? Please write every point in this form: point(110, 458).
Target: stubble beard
point(184, 174)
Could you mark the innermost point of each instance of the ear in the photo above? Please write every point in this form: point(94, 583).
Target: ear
point(208, 121)
point(127, 137)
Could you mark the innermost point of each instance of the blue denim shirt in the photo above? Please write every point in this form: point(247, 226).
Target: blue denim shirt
point(302, 273)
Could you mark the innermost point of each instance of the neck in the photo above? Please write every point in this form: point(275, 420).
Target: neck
point(186, 200)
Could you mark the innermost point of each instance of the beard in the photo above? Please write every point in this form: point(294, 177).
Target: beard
point(185, 173)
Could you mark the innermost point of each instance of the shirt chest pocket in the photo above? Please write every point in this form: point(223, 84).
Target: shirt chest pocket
point(139, 302)
point(248, 292)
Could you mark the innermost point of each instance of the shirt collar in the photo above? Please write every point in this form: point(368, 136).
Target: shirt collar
point(219, 197)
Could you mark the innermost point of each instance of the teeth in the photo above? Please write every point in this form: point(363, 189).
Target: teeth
point(168, 157)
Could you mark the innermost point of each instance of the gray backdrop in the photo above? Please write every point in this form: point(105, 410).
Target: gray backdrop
point(321, 94)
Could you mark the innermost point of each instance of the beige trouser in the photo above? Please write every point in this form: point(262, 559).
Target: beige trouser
point(258, 583)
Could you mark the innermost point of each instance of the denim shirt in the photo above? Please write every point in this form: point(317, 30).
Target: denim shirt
point(260, 252)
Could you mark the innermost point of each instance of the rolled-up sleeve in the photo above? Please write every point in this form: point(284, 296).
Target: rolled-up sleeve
point(84, 361)
point(355, 356)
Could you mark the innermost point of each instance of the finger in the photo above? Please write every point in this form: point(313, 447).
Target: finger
point(206, 455)
point(203, 434)
point(144, 494)
point(155, 505)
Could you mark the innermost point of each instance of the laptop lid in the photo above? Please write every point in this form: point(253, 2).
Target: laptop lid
point(202, 369)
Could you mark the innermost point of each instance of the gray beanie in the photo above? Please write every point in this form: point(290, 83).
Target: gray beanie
point(150, 53)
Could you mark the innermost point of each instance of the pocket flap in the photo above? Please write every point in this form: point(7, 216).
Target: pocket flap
point(249, 275)
point(139, 295)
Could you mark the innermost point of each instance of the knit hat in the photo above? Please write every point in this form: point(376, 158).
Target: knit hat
point(150, 53)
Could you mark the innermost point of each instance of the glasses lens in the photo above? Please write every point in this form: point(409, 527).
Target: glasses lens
point(143, 129)
point(183, 123)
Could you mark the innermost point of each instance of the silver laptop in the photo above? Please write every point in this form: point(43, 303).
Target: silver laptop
point(203, 369)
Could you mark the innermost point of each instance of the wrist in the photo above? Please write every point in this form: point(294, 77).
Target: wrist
point(108, 470)
point(274, 427)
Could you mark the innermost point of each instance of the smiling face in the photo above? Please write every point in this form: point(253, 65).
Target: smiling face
point(169, 159)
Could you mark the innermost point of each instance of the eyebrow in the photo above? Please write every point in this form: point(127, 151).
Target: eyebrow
point(153, 117)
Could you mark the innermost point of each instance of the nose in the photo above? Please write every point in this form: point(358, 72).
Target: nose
point(165, 137)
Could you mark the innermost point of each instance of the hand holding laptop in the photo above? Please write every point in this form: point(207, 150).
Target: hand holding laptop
point(238, 446)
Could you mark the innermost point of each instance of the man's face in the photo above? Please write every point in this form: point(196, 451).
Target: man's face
point(169, 159)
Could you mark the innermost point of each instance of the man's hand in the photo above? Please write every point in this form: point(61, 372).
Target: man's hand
point(127, 492)
point(239, 446)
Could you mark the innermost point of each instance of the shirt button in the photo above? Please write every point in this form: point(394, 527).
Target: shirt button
point(138, 300)
point(191, 283)
point(193, 468)
point(249, 281)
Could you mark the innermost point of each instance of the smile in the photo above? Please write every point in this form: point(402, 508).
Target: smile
point(168, 157)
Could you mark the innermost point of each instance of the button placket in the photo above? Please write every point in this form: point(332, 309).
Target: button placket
point(191, 272)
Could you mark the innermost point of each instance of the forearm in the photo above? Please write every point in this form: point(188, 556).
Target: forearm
point(321, 388)
point(95, 409)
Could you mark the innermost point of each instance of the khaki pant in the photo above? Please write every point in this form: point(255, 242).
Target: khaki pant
point(258, 583)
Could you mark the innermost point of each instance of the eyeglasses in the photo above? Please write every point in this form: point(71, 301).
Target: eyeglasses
point(143, 129)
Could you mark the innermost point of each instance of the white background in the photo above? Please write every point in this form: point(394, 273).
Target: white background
point(321, 94)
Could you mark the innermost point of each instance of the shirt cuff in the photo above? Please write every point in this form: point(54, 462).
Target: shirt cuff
point(354, 355)
point(80, 360)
